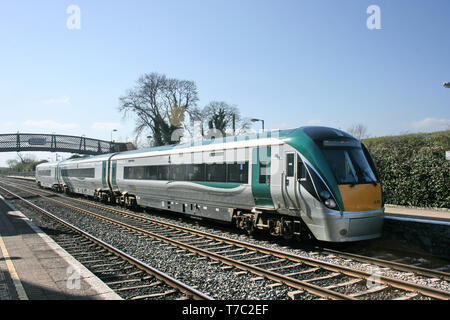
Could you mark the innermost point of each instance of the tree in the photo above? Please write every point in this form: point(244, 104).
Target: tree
point(222, 117)
point(359, 131)
point(159, 104)
point(23, 164)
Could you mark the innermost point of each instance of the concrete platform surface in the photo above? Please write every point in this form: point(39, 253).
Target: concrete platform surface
point(34, 267)
point(419, 214)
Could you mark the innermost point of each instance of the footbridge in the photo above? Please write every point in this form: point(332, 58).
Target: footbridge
point(18, 142)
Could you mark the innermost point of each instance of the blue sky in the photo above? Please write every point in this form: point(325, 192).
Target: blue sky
point(291, 63)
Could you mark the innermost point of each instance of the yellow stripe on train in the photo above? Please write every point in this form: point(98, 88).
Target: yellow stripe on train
point(361, 197)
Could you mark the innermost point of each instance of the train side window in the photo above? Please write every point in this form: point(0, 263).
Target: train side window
point(127, 173)
point(44, 173)
point(301, 170)
point(290, 165)
point(137, 173)
point(304, 178)
point(216, 172)
point(264, 172)
point(178, 172)
point(163, 172)
point(195, 172)
point(89, 173)
point(79, 173)
point(237, 172)
point(151, 172)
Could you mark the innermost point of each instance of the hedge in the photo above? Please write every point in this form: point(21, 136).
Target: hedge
point(413, 168)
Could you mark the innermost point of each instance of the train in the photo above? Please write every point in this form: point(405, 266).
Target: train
point(312, 181)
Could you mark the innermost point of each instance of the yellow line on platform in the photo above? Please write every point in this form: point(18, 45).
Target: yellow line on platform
point(12, 271)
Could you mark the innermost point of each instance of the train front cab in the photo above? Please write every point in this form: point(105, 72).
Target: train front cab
point(353, 209)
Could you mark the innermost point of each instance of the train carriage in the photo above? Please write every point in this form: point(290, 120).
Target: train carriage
point(46, 175)
point(206, 180)
point(83, 175)
point(313, 180)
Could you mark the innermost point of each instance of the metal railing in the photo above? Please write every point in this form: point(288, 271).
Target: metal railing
point(18, 142)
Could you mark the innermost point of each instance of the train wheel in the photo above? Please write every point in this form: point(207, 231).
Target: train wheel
point(250, 229)
point(130, 202)
point(287, 229)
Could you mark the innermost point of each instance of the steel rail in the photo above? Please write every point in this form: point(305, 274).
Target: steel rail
point(391, 264)
point(361, 258)
point(170, 281)
point(427, 291)
point(400, 284)
point(295, 283)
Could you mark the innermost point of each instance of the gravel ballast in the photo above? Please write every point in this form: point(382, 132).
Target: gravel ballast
point(209, 277)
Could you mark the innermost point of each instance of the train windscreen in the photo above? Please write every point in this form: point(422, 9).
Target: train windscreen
point(348, 162)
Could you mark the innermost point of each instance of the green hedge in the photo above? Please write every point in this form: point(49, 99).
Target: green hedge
point(413, 168)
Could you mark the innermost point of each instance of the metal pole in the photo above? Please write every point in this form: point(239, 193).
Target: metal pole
point(262, 121)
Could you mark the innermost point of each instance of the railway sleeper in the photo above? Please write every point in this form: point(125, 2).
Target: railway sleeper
point(121, 282)
point(345, 284)
point(294, 295)
point(369, 291)
point(124, 275)
point(330, 276)
point(408, 296)
point(155, 295)
point(153, 284)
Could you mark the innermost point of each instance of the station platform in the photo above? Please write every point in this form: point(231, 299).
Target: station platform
point(23, 178)
point(34, 267)
point(423, 215)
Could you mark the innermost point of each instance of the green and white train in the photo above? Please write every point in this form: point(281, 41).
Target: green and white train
point(310, 180)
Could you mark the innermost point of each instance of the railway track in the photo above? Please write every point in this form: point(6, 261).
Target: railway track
point(400, 263)
point(394, 265)
point(129, 277)
point(300, 273)
point(427, 272)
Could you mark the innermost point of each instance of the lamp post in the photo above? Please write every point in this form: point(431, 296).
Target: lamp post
point(150, 140)
point(259, 120)
point(115, 130)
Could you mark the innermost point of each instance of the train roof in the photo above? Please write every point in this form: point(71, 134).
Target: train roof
point(265, 138)
point(210, 142)
point(271, 137)
point(45, 164)
point(314, 132)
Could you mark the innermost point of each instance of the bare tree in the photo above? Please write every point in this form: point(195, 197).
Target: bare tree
point(223, 117)
point(359, 131)
point(12, 163)
point(159, 104)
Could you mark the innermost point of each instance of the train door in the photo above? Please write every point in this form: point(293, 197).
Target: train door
point(114, 175)
point(304, 185)
point(104, 172)
point(56, 174)
point(290, 181)
point(261, 177)
point(58, 182)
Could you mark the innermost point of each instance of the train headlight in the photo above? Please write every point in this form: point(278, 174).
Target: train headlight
point(325, 195)
point(327, 199)
point(330, 203)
